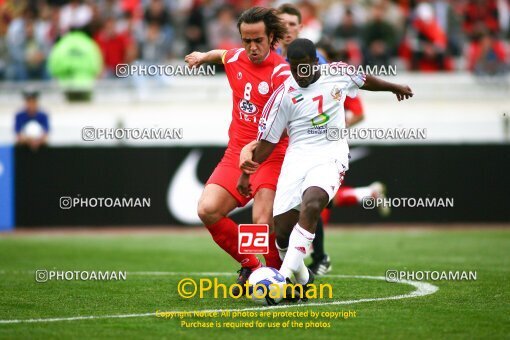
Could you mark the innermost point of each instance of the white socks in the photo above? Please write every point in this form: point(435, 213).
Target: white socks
point(362, 192)
point(300, 241)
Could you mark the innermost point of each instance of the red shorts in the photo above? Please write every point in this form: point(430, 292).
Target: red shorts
point(227, 173)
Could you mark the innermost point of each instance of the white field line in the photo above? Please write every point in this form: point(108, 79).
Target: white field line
point(422, 289)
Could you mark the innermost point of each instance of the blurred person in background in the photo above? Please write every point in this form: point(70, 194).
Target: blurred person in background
point(486, 55)
point(347, 29)
point(345, 40)
point(31, 124)
point(195, 28)
point(427, 42)
point(4, 52)
point(28, 47)
point(481, 11)
point(379, 39)
point(48, 23)
point(116, 48)
point(392, 14)
point(76, 61)
point(336, 12)
point(110, 8)
point(158, 13)
point(10, 10)
point(222, 30)
point(448, 17)
point(154, 47)
point(76, 14)
point(35, 52)
point(291, 17)
point(312, 27)
point(128, 23)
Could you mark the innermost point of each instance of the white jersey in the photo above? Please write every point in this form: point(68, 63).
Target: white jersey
point(307, 114)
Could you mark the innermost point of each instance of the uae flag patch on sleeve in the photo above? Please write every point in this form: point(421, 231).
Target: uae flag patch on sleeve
point(297, 99)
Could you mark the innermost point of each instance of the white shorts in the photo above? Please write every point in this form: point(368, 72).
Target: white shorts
point(296, 177)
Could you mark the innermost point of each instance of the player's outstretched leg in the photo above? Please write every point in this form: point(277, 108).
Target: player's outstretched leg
point(213, 207)
point(321, 263)
point(348, 196)
point(284, 224)
point(314, 200)
point(263, 214)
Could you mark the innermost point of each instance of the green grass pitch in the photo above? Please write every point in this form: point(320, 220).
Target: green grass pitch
point(459, 309)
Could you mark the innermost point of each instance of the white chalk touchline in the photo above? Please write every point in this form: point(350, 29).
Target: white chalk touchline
point(422, 289)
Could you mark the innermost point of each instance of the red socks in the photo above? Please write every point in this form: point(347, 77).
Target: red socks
point(345, 197)
point(273, 258)
point(225, 234)
point(326, 216)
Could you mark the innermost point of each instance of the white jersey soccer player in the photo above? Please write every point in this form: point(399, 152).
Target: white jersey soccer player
point(313, 117)
point(310, 106)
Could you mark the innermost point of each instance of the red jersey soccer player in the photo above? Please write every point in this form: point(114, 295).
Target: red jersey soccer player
point(253, 74)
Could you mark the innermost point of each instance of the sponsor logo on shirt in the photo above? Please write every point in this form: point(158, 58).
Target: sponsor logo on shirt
point(262, 125)
point(336, 93)
point(247, 107)
point(317, 130)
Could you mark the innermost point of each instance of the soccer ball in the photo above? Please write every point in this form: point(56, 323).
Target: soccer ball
point(266, 286)
point(33, 130)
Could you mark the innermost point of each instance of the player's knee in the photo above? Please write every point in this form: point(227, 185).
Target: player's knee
point(207, 212)
point(263, 214)
point(312, 207)
point(263, 218)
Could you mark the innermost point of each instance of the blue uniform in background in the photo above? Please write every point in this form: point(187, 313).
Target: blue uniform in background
point(23, 118)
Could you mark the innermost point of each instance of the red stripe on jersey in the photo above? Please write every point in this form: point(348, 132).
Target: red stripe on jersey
point(271, 101)
point(235, 56)
point(282, 70)
point(279, 68)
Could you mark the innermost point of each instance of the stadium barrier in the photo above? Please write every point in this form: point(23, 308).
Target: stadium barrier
point(108, 186)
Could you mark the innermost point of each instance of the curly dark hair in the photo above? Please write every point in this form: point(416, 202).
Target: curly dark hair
point(270, 18)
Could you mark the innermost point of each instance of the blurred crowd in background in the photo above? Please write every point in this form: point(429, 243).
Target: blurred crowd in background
point(423, 36)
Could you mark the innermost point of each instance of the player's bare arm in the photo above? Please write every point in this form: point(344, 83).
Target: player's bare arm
point(246, 162)
point(196, 59)
point(376, 84)
point(261, 152)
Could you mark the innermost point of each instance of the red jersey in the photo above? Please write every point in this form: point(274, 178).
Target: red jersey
point(252, 85)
